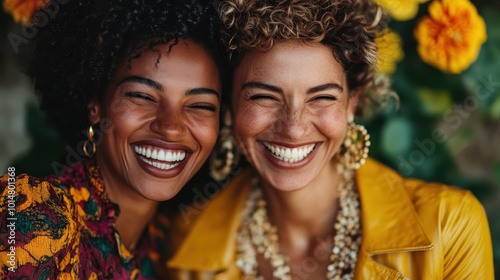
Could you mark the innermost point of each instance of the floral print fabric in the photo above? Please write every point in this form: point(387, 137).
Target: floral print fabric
point(64, 229)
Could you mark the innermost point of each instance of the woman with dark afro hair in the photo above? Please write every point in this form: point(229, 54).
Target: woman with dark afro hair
point(135, 86)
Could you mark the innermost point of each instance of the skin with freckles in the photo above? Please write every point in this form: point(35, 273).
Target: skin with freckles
point(165, 101)
point(294, 96)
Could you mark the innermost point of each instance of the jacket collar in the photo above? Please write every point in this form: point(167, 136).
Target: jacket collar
point(210, 245)
point(386, 208)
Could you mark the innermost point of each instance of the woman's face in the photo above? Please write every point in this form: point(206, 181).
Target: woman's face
point(290, 109)
point(162, 119)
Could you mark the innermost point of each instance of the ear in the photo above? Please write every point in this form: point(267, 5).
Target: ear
point(94, 110)
point(354, 96)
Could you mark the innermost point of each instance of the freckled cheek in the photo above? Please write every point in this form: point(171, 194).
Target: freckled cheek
point(249, 123)
point(333, 125)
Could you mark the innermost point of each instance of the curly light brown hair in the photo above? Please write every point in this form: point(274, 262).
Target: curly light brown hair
point(349, 27)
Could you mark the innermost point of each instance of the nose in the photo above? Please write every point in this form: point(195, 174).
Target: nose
point(169, 122)
point(292, 125)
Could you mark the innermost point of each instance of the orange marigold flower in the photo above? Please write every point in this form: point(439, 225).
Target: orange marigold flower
point(22, 10)
point(390, 51)
point(401, 9)
point(451, 37)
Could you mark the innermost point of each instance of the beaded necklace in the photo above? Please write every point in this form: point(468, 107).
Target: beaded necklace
point(257, 235)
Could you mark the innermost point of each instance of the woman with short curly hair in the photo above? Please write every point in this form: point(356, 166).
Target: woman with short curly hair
point(135, 87)
point(312, 205)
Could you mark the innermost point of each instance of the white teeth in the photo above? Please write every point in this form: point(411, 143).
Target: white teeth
point(281, 152)
point(163, 166)
point(161, 155)
point(290, 155)
point(168, 156)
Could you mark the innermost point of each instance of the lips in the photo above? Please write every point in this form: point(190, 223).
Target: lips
point(288, 154)
point(161, 158)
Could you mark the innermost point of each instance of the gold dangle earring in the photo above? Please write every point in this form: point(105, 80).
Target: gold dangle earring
point(89, 142)
point(225, 153)
point(354, 150)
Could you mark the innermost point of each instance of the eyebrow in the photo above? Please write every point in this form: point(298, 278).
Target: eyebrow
point(142, 80)
point(196, 91)
point(157, 86)
point(260, 85)
point(319, 88)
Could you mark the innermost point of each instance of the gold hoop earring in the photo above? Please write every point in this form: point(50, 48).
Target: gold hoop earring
point(354, 150)
point(90, 142)
point(225, 153)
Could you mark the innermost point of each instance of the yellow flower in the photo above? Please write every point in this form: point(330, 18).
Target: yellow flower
point(390, 51)
point(451, 37)
point(22, 10)
point(401, 9)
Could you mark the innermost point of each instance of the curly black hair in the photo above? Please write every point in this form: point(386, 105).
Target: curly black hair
point(75, 54)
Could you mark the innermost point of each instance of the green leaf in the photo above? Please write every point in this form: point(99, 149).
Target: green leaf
point(397, 135)
point(435, 101)
point(495, 108)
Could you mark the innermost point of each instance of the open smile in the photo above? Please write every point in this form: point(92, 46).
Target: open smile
point(289, 157)
point(289, 154)
point(160, 158)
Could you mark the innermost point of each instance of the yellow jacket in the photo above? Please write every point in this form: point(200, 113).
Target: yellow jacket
point(410, 230)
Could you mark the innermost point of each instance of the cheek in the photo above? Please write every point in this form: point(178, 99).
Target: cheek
point(126, 121)
point(249, 121)
point(206, 133)
point(332, 123)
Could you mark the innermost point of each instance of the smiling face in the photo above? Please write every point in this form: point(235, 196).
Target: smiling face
point(163, 114)
point(290, 109)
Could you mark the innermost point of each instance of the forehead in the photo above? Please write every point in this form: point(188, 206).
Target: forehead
point(290, 60)
point(171, 55)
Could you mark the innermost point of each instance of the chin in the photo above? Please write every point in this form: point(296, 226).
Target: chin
point(287, 183)
point(160, 193)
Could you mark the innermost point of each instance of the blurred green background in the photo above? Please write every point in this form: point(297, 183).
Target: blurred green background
point(446, 129)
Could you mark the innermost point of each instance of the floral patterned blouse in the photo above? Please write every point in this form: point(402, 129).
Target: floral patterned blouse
point(63, 228)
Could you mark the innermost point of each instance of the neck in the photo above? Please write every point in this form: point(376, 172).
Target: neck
point(305, 216)
point(135, 211)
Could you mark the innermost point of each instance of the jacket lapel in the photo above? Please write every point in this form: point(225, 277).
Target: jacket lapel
point(390, 222)
point(209, 245)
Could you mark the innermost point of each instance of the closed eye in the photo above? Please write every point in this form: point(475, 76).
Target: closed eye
point(139, 95)
point(207, 107)
point(324, 97)
point(262, 97)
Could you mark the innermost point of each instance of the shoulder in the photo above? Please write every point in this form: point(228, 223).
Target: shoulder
point(40, 215)
point(376, 177)
point(28, 192)
point(460, 226)
point(443, 196)
point(449, 224)
point(434, 206)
